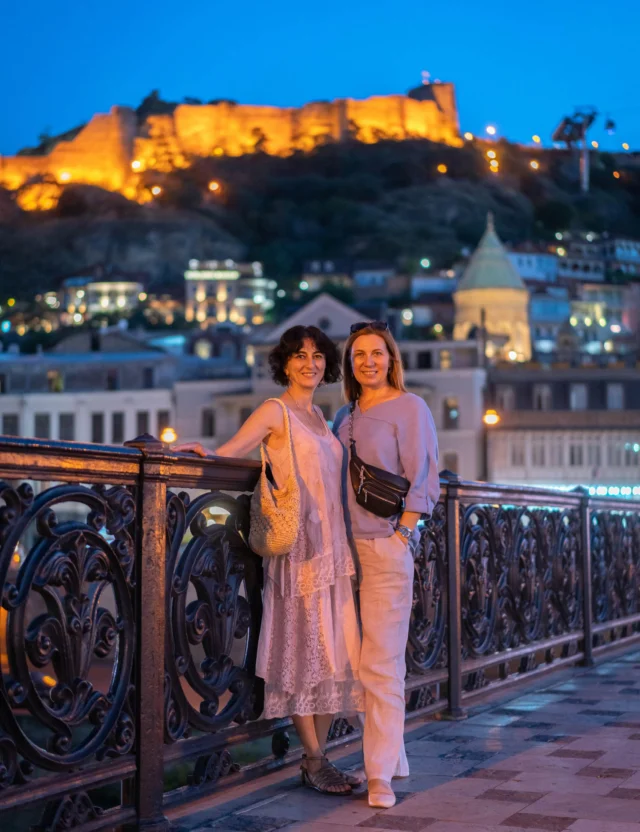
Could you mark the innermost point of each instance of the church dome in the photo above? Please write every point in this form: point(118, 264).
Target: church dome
point(490, 267)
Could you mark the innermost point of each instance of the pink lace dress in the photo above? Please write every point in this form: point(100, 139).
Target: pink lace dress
point(309, 646)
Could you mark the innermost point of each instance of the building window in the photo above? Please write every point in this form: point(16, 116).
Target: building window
point(42, 425)
point(424, 360)
point(208, 422)
point(10, 424)
point(67, 426)
point(445, 360)
point(245, 412)
point(630, 455)
point(542, 397)
point(113, 382)
point(97, 428)
point(3, 383)
point(148, 378)
point(505, 397)
point(615, 397)
point(450, 413)
point(202, 348)
point(575, 454)
point(55, 381)
point(538, 452)
point(117, 428)
point(556, 452)
point(142, 422)
point(517, 452)
point(594, 454)
point(450, 462)
point(614, 453)
point(163, 420)
point(578, 397)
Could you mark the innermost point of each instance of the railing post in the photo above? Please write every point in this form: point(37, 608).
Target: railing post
point(454, 615)
point(150, 634)
point(585, 546)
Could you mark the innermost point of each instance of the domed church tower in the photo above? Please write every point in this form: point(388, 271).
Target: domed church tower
point(493, 299)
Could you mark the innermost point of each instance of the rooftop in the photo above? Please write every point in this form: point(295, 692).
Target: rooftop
point(490, 267)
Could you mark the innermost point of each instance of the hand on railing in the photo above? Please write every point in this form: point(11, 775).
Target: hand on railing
point(192, 447)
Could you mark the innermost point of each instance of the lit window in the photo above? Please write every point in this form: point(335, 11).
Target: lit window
point(517, 451)
point(445, 360)
point(542, 397)
point(538, 452)
point(505, 397)
point(450, 414)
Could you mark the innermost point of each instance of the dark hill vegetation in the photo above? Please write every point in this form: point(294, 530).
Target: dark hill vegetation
point(384, 201)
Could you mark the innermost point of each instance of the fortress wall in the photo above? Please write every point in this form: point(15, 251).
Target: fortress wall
point(316, 121)
point(16, 170)
point(377, 116)
point(235, 128)
point(424, 119)
point(100, 154)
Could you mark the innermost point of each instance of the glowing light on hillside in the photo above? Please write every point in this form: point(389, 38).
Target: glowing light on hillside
point(573, 321)
point(304, 285)
point(616, 174)
point(281, 293)
point(437, 328)
point(218, 151)
point(536, 139)
point(11, 302)
point(512, 355)
point(588, 321)
point(77, 318)
point(65, 176)
point(425, 262)
point(136, 164)
point(491, 154)
point(407, 317)
point(491, 417)
point(561, 251)
point(602, 321)
point(142, 296)
point(558, 235)
point(595, 144)
point(468, 136)
point(156, 190)
point(494, 164)
point(442, 168)
point(214, 186)
point(491, 130)
point(535, 165)
point(625, 146)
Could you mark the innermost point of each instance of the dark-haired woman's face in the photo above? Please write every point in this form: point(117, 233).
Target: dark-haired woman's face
point(370, 361)
point(306, 367)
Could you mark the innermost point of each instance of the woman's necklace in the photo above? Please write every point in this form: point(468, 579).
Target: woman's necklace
point(311, 420)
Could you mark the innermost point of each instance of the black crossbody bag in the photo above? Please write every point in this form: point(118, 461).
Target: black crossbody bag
point(377, 490)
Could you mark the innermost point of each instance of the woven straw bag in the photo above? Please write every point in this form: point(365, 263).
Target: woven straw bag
point(275, 512)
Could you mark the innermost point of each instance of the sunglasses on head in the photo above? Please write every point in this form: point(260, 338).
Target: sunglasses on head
point(381, 326)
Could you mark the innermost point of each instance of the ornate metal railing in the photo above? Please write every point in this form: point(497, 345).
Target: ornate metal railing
point(131, 609)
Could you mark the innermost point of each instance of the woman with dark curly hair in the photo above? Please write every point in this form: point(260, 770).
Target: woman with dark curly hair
point(309, 646)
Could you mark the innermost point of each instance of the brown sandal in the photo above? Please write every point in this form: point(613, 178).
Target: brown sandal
point(324, 778)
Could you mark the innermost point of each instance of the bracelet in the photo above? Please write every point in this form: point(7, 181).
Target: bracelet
point(405, 531)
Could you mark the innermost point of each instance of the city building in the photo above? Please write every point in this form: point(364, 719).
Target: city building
point(534, 265)
point(492, 298)
point(622, 256)
point(580, 257)
point(101, 291)
point(319, 275)
point(565, 427)
point(549, 310)
point(223, 290)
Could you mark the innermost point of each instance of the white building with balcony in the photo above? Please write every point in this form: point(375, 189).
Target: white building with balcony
point(223, 290)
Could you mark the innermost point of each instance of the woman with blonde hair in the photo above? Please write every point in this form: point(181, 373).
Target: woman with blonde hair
point(309, 646)
point(392, 481)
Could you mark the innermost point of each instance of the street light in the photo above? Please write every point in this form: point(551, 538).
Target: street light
point(490, 419)
point(168, 436)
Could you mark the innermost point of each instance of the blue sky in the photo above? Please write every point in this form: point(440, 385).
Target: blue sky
point(521, 66)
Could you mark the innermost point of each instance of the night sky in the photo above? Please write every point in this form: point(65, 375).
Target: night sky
point(520, 66)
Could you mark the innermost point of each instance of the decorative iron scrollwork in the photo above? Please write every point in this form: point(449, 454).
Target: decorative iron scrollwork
point(280, 743)
point(340, 727)
point(209, 768)
point(615, 560)
point(426, 647)
point(213, 610)
point(69, 613)
point(69, 813)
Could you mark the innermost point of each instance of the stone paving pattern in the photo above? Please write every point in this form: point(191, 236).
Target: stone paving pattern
point(562, 757)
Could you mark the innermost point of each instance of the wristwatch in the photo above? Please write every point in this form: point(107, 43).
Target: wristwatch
point(405, 531)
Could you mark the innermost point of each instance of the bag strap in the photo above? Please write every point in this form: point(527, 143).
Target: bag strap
point(352, 441)
point(287, 424)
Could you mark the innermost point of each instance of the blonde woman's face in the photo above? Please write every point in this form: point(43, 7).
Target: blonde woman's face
point(306, 367)
point(370, 361)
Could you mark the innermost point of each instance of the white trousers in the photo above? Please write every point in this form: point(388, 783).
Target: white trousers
point(386, 592)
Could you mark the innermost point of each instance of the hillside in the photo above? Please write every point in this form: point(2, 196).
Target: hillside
point(383, 201)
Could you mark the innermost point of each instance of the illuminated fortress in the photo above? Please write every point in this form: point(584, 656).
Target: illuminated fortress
point(114, 149)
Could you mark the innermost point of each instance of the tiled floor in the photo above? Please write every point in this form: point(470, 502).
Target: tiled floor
point(565, 757)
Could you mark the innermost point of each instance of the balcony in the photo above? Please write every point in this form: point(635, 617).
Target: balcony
point(131, 611)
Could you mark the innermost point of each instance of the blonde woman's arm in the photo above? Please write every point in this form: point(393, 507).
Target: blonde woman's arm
point(267, 420)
